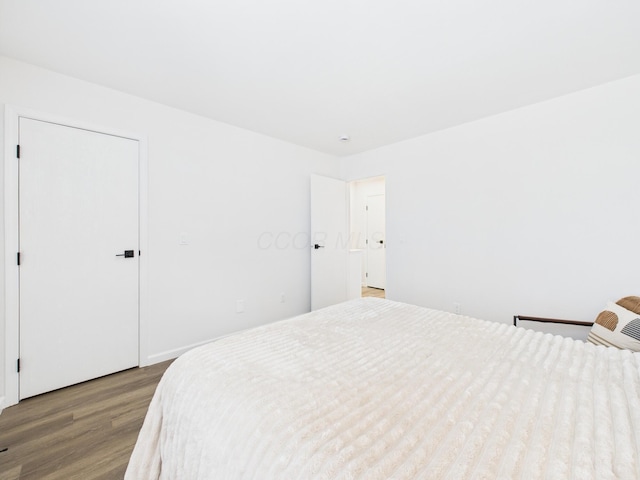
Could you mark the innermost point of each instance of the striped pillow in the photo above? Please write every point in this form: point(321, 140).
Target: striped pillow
point(616, 327)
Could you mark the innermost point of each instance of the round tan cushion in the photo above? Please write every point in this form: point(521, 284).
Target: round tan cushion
point(630, 303)
point(608, 320)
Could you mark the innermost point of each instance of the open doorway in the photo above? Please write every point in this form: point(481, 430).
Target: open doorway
point(368, 232)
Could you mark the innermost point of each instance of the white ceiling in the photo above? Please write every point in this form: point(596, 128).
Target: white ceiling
point(308, 72)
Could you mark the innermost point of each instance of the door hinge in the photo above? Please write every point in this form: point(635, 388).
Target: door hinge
point(367, 207)
point(367, 241)
point(18, 365)
point(366, 275)
point(18, 258)
point(18, 151)
point(138, 252)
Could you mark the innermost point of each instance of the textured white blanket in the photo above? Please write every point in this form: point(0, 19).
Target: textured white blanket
point(374, 389)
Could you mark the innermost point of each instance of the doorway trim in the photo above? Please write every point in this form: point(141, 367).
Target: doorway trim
point(11, 237)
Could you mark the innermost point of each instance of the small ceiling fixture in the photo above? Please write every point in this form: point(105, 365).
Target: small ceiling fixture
point(345, 138)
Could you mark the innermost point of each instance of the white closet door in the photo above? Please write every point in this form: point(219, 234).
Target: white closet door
point(376, 246)
point(329, 241)
point(78, 298)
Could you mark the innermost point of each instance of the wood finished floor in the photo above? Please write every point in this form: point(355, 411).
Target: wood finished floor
point(372, 292)
point(85, 431)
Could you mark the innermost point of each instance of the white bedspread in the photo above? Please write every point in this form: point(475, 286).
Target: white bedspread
point(374, 389)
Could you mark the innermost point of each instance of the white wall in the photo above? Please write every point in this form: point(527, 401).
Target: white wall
point(532, 211)
point(529, 212)
point(2, 271)
point(222, 185)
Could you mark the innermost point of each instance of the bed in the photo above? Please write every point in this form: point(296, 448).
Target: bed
point(375, 389)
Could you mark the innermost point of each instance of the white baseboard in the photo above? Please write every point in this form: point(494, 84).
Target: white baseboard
point(175, 353)
point(1, 404)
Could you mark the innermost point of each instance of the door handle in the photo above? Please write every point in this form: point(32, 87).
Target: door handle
point(316, 246)
point(380, 241)
point(126, 254)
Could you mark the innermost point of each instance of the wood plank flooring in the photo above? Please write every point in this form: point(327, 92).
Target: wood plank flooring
point(85, 431)
point(372, 292)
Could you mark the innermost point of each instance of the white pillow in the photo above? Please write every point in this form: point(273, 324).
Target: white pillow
point(616, 327)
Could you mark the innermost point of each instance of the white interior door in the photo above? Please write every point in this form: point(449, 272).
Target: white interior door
point(329, 241)
point(376, 242)
point(78, 207)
